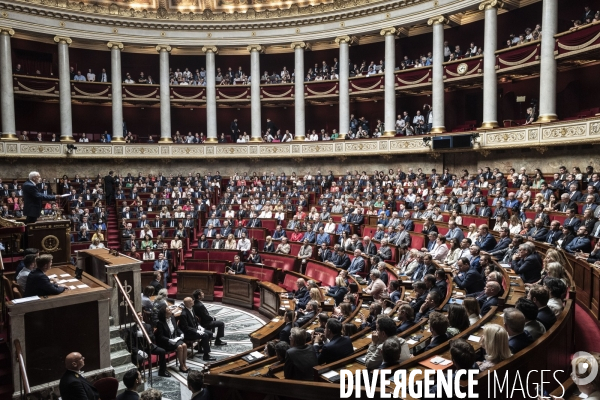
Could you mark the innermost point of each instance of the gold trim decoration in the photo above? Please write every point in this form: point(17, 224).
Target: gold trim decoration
point(302, 45)
point(234, 97)
point(346, 39)
point(161, 47)
point(489, 4)
point(7, 31)
point(489, 125)
point(9, 136)
point(67, 139)
point(63, 39)
point(276, 95)
point(206, 49)
point(466, 72)
point(438, 129)
point(389, 133)
point(118, 139)
point(91, 94)
point(440, 19)
point(50, 243)
point(365, 89)
point(523, 61)
point(140, 96)
point(255, 47)
point(417, 81)
point(37, 90)
point(388, 31)
point(321, 93)
point(188, 97)
point(117, 45)
point(581, 46)
point(547, 118)
point(165, 140)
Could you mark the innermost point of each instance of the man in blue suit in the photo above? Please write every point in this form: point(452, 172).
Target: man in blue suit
point(527, 263)
point(514, 323)
point(488, 298)
point(162, 265)
point(466, 278)
point(343, 261)
point(500, 249)
point(358, 263)
point(337, 347)
point(32, 197)
point(540, 295)
point(581, 242)
point(486, 240)
point(454, 232)
point(475, 260)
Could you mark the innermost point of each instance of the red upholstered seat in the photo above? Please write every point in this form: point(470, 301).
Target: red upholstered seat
point(369, 231)
point(264, 274)
point(285, 262)
point(147, 266)
point(417, 241)
point(257, 233)
point(206, 265)
point(107, 388)
point(322, 273)
point(204, 254)
point(289, 282)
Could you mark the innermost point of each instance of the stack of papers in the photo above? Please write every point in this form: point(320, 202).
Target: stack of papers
point(330, 374)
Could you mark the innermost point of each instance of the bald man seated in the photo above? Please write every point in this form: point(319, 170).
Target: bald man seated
point(73, 386)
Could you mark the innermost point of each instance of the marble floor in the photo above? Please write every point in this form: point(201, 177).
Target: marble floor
point(238, 324)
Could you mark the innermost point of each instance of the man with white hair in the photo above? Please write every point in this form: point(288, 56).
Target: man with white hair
point(33, 198)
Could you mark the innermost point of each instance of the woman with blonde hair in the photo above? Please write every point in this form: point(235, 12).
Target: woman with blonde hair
point(230, 243)
point(556, 270)
point(98, 235)
point(164, 212)
point(472, 232)
point(320, 297)
point(146, 231)
point(515, 224)
point(495, 342)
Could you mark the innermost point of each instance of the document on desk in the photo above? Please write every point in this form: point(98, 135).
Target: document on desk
point(25, 299)
point(84, 286)
point(64, 275)
point(52, 276)
point(329, 374)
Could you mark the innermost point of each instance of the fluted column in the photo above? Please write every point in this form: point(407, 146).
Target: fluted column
point(548, 62)
point(117, 91)
point(390, 82)
point(64, 87)
point(299, 111)
point(437, 78)
point(211, 93)
point(490, 83)
point(7, 95)
point(344, 100)
point(255, 50)
point(165, 94)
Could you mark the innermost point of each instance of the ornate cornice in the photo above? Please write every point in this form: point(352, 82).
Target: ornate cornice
point(7, 31)
point(388, 31)
point(213, 49)
point(301, 45)
point(115, 45)
point(488, 4)
point(63, 39)
point(163, 47)
point(437, 20)
point(255, 47)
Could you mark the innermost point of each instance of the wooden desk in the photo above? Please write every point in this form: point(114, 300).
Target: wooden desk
point(270, 298)
point(102, 265)
point(188, 281)
point(52, 327)
point(239, 290)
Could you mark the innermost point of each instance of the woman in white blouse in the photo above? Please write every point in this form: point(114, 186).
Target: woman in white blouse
point(515, 224)
point(230, 243)
point(179, 213)
point(146, 232)
point(148, 254)
point(229, 213)
point(330, 226)
point(473, 234)
point(266, 213)
point(164, 213)
point(437, 214)
point(457, 218)
point(500, 224)
point(176, 243)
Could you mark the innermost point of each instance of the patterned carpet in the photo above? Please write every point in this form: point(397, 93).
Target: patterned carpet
point(238, 324)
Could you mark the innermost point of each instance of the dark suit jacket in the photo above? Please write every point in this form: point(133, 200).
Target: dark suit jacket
point(202, 313)
point(405, 325)
point(38, 284)
point(188, 324)
point(336, 349)
point(163, 333)
point(519, 342)
point(284, 335)
point(33, 198)
point(486, 303)
point(546, 317)
point(238, 268)
point(299, 363)
point(338, 293)
point(73, 386)
point(436, 341)
point(529, 268)
point(471, 281)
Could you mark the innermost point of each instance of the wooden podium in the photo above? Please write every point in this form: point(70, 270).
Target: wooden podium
point(51, 237)
point(239, 290)
point(100, 264)
point(49, 328)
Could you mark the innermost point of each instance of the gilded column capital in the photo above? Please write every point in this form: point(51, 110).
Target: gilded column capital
point(440, 19)
point(388, 31)
point(488, 4)
point(346, 39)
point(301, 45)
point(117, 45)
point(7, 31)
point(161, 47)
point(255, 47)
point(206, 49)
point(63, 39)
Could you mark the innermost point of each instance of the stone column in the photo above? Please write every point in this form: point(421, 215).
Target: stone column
point(211, 94)
point(64, 85)
point(547, 111)
point(117, 91)
point(255, 50)
point(299, 111)
point(344, 87)
point(7, 96)
point(490, 83)
point(437, 79)
point(390, 81)
point(165, 94)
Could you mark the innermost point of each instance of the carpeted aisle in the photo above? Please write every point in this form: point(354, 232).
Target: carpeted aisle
point(587, 331)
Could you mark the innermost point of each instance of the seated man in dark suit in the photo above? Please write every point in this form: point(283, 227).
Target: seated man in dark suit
point(237, 267)
point(302, 295)
point(206, 320)
point(540, 295)
point(518, 337)
point(300, 358)
point(303, 317)
point(432, 302)
point(73, 386)
point(580, 242)
point(466, 278)
point(192, 330)
point(131, 380)
point(441, 284)
point(195, 382)
point(38, 284)
point(337, 347)
point(527, 263)
point(438, 324)
point(406, 318)
point(284, 334)
point(488, 298)
point(156, 282)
